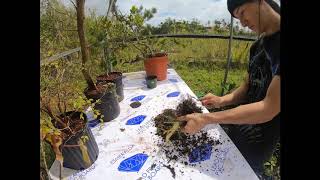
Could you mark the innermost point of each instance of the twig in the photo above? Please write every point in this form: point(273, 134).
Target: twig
point(48, 111)
point(137, 48)
point(60, 175)
point(73, 4)
point(44, 159)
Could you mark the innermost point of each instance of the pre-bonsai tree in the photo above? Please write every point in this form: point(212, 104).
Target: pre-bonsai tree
point(101, 91)
point(63, 124)
point(104, 31)
point(151, 49)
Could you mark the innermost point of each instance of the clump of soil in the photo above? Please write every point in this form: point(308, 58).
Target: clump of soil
point(181, 144)
point(171, 170)
point(187, 106)
point(135, 104)
point(153, 166)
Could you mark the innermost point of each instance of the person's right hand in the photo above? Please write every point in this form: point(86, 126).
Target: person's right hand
point(211, 100)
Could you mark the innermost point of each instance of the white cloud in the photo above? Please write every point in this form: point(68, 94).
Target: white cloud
point(203, 10)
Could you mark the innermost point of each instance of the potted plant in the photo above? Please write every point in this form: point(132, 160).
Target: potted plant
point(151, 49)
point(103, 31)
point(102, 94)
point(63, 124)
point(113, 77)
point(105, 100)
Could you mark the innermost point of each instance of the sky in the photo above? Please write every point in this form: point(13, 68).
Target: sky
point(202, 10)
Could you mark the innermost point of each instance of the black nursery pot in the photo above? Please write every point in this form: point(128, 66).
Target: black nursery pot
point(108, 106)
point(114, 77)
point(72, 156)
point(151, 81)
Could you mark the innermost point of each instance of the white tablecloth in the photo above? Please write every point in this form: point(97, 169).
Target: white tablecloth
point(127, 147)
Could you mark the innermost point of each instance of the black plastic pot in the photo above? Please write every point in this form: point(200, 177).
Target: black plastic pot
point(108, 106)
point(115, 77)
point(151, 81)
point(72, 156)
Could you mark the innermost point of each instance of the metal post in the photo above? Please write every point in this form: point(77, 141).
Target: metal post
point(228, 58)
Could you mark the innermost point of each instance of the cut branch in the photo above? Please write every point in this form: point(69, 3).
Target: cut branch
point(84, 50)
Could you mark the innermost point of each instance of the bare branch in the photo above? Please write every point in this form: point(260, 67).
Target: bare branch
point(73, 4)
point(84, 49)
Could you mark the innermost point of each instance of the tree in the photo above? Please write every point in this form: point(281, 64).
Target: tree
point(84, 51)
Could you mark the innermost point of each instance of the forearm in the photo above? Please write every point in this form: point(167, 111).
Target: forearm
point(254, 113)
point(237, 96)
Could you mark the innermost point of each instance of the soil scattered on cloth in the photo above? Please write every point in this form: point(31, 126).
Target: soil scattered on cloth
point(181, 145)
point(171, 170)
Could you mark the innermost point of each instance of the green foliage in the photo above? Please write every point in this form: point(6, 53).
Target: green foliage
point(57, 28)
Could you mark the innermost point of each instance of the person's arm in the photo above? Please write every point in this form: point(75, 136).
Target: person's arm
point(253, 113)
point(238, 95)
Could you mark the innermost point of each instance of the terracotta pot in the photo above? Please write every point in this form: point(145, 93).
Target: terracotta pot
point(157, 66)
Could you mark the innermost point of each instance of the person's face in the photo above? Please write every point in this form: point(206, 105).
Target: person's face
point(248, 14)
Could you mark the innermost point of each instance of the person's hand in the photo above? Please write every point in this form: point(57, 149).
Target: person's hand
point(211, 101)
point(195, 122)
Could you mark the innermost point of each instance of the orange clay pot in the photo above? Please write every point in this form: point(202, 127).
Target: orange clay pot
point(157, 66)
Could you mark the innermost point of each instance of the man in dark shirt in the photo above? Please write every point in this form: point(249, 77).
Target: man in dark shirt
point(255, 124)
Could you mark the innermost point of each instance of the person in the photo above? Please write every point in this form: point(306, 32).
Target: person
point(254, 125)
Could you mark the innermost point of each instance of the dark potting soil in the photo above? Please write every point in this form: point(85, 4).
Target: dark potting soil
point(135, 104)
point(109, 77)
point(181, 145)
point(75, 123)
point(157, 55)
point(96, 93)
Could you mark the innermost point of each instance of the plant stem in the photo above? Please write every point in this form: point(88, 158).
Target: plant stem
point(60, 175)
point(49, 112)
point(44, 159)
point(84, 50)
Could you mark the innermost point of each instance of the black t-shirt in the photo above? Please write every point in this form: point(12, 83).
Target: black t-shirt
point(256, 142)
point(272, 47)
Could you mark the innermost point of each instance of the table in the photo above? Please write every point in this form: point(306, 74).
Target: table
point(127, 148)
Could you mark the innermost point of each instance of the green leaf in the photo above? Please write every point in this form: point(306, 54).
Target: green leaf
point(133, 9)
point(114, 63)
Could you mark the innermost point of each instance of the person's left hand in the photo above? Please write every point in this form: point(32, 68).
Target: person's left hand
point(195, 122)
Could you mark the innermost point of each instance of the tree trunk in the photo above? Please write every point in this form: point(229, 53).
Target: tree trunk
point(83, 44)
